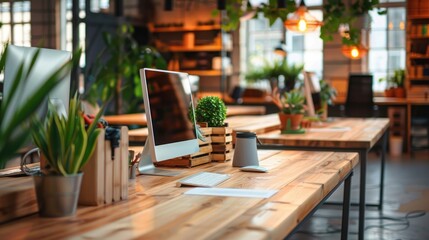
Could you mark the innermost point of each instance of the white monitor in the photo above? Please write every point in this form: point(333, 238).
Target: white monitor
point(167, 99)
point(311, 92)
point(48, 62)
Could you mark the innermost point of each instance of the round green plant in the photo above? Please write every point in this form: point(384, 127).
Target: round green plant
point(212, 110)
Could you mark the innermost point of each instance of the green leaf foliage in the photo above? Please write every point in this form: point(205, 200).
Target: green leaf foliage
point(12, 140)
point(65, 141)
point(336, 12)
point(235, 10)
point(272, 70)
point(212, 110)
point(118, 76)
point(293, 102)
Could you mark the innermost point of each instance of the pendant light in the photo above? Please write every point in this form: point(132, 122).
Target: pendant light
point(354, 51)
point(301, 20)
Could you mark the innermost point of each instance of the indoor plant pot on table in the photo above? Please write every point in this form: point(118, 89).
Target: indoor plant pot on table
point(66, 145)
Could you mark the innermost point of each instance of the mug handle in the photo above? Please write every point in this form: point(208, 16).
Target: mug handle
point(24, 168)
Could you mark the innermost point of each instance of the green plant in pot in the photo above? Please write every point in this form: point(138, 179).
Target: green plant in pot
point(66, 144)
point(291, 107)
point(115, 74)
point(327, 94)
point(210, 109)
point(272, 72)
point(395, 84)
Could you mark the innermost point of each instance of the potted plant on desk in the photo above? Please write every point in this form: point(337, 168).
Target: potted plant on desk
point(66, 144)
point(212, 110)
point(291, 110)
point(327, 95)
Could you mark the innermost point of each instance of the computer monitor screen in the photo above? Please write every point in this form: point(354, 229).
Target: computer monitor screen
point(167, 99)
point(312, 93)
point(47, 63)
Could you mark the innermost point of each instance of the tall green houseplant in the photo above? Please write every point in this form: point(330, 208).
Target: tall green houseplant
point(118, 76)
point(272, 71)
point(65, 141)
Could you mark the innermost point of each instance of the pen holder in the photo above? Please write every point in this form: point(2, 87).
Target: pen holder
point(245, 153)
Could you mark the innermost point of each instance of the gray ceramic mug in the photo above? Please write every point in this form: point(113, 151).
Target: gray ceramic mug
point(245, 153)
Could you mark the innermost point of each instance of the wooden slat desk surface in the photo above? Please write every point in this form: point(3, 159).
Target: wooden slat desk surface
point(361, 136)
point(362, 133)
point(256, 123)
point(156, 209)
point(140, 118)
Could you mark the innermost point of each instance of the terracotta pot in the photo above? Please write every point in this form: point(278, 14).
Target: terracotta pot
point(295, 121)
point(390, 92)
point(399, 92)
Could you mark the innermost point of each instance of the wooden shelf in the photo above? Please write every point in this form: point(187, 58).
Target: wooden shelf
point(419, 18)
point(186, 29)
point(419, 60)
point(419, 37)
point(419, 78)
point(205, 73)
point(204, 48)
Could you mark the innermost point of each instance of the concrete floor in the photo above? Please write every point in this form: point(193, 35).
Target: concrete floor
point(406, 194)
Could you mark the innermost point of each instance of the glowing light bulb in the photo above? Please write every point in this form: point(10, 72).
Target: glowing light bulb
point(354, 52)
point(302, 25)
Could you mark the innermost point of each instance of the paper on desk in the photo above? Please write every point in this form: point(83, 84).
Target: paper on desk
point(232, 192)
point(330, 129)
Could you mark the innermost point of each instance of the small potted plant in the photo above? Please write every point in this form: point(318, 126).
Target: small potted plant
point(398, 78)
point(291, 107)
point(327, 94)
point(395, 84)
point(66, 144)
point(212, 110)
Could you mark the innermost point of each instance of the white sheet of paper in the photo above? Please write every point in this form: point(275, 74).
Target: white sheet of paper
point(330, 129)
point(232, 192)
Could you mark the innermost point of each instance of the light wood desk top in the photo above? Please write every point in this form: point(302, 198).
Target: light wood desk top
point(140, 118)
point(157, 209)
point(390, 101)
point(127, 119)
point(257, 124)
point(340, 133)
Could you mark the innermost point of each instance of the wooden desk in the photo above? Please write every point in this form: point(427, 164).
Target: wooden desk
point(127, 119)
point(361, 137)
point(157, 209)
point(257, 124)
point(140, 118)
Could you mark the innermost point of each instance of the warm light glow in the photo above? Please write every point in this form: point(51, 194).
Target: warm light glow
point(390, 26)
point(402, 25)
point(354, 52)
point(301, 21)
point(302, 25)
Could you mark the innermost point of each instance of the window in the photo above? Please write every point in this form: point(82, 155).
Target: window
point(261, 39)
point(386, 44)
point(15, 17)
point(67, 36)
point(306, 48)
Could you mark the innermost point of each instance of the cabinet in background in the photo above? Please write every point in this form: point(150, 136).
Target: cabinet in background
point(418, 49)
point(202, 50)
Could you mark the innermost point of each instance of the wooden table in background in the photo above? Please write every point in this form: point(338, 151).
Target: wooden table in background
point(140, 118)
point(157, 209)
point(257, 124)
point(359, 135)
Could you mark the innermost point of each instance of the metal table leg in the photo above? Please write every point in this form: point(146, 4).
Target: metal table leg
point(383, 165)
point(362, 190)
point(346, 208)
